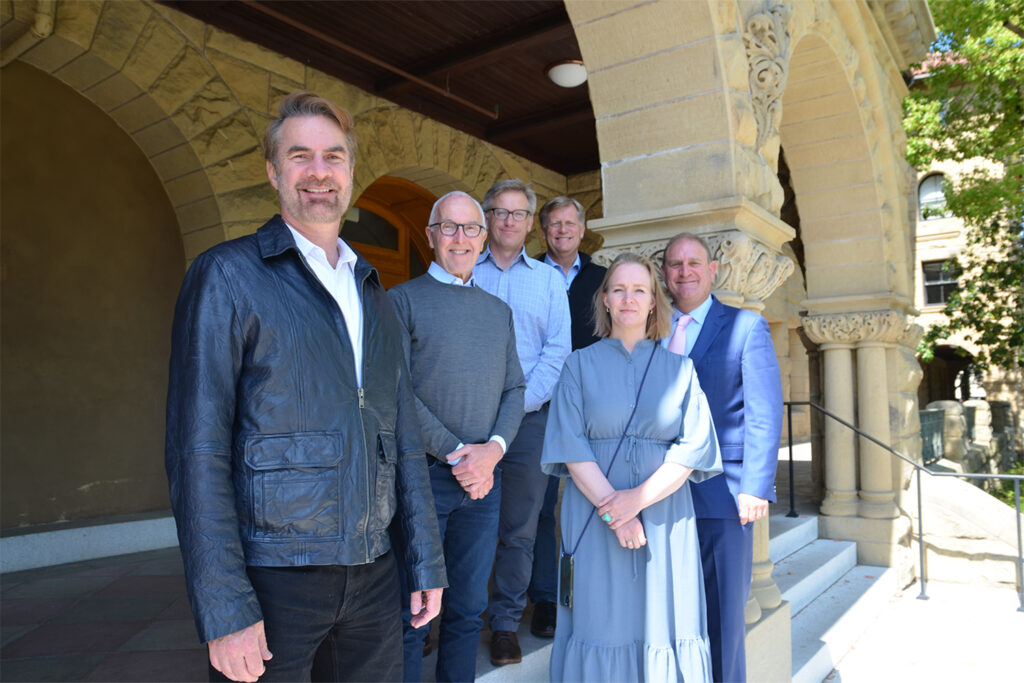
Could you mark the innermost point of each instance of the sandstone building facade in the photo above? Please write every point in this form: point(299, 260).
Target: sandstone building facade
point(131, 144)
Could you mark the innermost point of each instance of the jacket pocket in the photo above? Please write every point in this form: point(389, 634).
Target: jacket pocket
point(387, 459)
point(296, 484)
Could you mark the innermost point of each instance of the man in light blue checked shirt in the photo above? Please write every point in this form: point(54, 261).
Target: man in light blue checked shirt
point(540, 310)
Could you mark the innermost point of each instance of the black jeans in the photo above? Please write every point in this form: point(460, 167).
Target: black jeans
point(330, 623)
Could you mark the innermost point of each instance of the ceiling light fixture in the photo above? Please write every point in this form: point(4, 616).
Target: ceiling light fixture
point(568, 73)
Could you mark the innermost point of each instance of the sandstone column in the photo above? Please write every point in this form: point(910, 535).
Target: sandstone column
point(876, 494)
point(840, 464)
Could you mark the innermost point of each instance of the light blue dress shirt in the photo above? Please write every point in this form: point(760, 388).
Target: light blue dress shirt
point(699, 315)
point(574, 269)
point(442, 275)
point(540, 312)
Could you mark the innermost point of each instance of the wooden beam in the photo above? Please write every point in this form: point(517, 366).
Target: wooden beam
point(542, 29)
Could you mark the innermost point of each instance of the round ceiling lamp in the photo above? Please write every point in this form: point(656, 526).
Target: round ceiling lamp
point(568, 73)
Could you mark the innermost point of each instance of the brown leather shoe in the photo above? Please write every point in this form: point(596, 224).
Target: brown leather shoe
point(542, 624)
point(505, 648)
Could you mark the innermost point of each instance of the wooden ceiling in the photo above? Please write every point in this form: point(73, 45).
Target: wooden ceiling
point(478, 66)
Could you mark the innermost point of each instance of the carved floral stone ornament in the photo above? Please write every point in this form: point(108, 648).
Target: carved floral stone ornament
point(849, 328)
point(766, 40)
point(747, 267)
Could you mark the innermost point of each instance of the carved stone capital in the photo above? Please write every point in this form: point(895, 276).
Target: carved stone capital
point(850, 328)
point(747, 267)
point(766, 40)
point(748, 271)
point(911, 336)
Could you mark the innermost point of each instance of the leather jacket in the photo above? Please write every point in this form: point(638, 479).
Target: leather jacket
point(275, 456)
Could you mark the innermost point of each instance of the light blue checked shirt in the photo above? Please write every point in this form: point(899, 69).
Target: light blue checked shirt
point(540, 312)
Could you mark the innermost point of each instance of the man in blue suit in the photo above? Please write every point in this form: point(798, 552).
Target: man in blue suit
point(732, 352)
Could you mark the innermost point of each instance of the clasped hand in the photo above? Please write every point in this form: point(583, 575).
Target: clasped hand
point(475, 468)
point(624, 507)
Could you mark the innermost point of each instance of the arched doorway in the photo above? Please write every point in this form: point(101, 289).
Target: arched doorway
point(387, 226)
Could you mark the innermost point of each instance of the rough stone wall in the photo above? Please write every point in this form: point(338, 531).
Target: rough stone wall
point(197, 100)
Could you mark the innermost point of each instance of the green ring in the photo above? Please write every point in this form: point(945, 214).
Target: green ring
point(607, 518)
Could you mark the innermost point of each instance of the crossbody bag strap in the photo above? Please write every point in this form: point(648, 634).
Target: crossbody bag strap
point(636, 404)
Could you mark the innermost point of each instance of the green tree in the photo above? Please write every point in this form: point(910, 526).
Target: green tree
point(968, 103)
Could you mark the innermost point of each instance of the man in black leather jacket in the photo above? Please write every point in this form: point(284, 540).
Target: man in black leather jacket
point(292, 438)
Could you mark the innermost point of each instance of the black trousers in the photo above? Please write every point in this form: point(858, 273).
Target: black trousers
point(330, 623)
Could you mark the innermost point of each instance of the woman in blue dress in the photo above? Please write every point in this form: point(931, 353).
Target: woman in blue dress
point(638, 595)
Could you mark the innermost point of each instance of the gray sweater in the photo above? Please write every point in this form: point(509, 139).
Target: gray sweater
point(461, 349)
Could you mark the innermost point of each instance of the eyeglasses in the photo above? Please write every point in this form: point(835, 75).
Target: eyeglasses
point(502, 214)
point(449, 228)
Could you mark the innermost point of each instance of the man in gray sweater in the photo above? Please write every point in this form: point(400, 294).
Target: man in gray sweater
point(461, 347)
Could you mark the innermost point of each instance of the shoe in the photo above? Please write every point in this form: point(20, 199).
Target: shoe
point(505, 648)
point(543, 623)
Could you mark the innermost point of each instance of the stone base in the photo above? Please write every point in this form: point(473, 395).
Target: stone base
point(769, 646)
point(880, 542)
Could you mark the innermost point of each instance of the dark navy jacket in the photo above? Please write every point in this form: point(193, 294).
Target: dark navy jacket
point(581, 300)
point(274, 455)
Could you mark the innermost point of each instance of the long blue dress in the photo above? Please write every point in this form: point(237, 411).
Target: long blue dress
point(637, 615)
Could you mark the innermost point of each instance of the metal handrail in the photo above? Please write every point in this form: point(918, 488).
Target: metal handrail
point(1016, 478)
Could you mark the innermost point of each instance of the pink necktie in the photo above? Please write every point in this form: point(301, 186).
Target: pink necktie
point(677, 344)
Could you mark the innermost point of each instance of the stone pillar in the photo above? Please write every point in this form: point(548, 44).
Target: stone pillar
point(876, 494)
point(840, 464)
point(870, 516)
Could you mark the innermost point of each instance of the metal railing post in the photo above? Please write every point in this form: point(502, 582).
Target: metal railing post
point(1020, 548)
point(792, 490)
point(920, 539)
point(918, 468)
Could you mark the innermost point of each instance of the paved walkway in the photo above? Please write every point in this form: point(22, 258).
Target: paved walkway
point(123, 618)
point(126, 618)
point(961, 633)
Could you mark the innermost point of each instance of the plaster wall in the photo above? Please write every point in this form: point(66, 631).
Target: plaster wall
point(92, 260)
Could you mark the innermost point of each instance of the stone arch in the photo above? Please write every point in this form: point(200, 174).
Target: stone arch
point(150, 69)
point(845, 152)
point(398, 142)
point(197, 99)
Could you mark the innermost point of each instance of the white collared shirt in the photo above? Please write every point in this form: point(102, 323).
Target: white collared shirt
point(340, 282)
point(693, 329)
point(574, 269)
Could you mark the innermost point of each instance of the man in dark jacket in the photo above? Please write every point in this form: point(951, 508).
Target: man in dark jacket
point(292, 438)
point(562, 222)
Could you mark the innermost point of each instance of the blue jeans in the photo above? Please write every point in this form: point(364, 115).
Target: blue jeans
point(469, 530)
point(523, 487)
point(330, 623)
point(544, 583)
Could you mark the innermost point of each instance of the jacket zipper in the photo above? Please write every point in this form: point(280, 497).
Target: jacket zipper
point(362, 405)
point(372, 459)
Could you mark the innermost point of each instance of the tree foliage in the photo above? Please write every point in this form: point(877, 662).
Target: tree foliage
point(968, 104)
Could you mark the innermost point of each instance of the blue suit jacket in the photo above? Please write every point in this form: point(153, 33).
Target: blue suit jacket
point(738, 371)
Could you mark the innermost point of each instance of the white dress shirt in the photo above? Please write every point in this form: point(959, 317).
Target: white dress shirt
point(340, 282)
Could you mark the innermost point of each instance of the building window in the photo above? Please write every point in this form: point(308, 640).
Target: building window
point(931, 198)
point(939, 281)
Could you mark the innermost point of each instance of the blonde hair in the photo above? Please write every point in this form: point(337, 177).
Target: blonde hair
point(660, 319)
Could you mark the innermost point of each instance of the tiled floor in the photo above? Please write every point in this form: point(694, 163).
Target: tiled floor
point(120, 618)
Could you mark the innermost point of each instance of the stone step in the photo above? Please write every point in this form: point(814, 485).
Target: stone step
point(829, 626)
point(808, 572)
point(789, 534)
